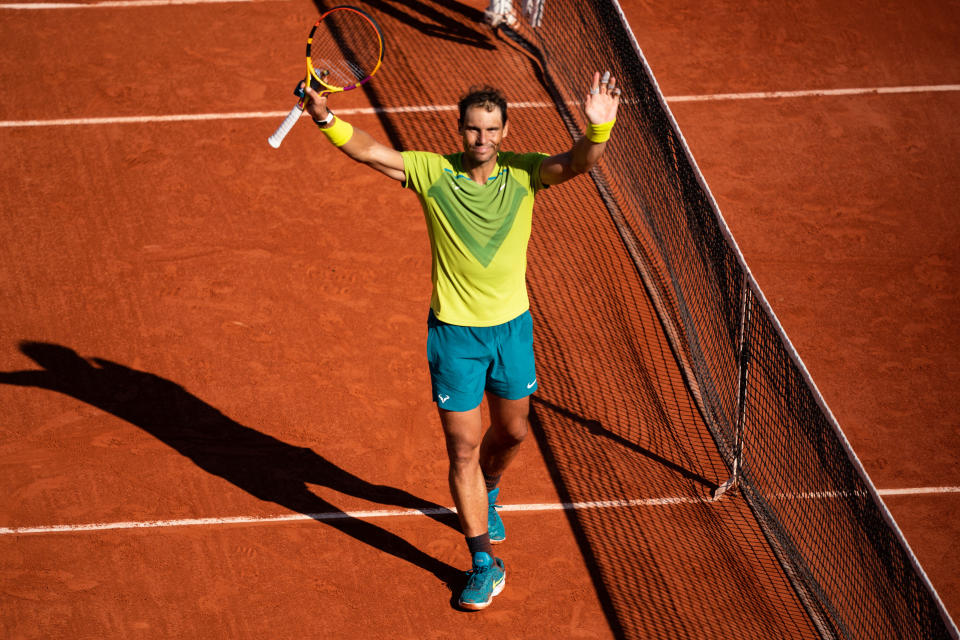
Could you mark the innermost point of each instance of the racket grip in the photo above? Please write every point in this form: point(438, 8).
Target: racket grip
point(285, 126)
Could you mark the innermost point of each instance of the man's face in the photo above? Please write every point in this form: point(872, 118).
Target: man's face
point(482, 132)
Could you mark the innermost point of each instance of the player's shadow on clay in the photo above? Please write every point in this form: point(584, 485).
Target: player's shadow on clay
point(263, 466)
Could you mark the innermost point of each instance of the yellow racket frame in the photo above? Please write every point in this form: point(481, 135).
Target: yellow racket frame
point(312, 72)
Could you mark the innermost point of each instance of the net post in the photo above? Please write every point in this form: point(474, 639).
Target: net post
point(533, 10)
point(743, 362)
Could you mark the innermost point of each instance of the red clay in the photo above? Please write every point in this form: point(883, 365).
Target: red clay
point(233, 297)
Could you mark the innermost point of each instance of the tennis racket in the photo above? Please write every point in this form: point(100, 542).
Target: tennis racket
point(344, 50)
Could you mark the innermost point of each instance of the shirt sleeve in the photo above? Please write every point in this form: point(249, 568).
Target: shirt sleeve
point(529, 163)
point(416, 173)
point(536, 160)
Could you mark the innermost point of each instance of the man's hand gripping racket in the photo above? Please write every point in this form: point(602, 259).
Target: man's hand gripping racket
point(344, 50)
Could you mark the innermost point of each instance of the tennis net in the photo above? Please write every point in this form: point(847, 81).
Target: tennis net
point(821, 516)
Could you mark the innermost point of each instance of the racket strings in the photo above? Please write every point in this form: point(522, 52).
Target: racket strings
point(345, 48)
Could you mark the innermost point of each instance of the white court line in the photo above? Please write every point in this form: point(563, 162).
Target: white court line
point(918, 491)
point(243, 115)
point(334, 515)
point(819, 495)
point(765, 95)
point(399, 513)
point(451, 107)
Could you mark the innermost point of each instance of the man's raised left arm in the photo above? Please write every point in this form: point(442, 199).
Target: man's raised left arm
point(600, 108)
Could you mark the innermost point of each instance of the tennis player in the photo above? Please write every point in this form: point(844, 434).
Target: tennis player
point(478, 205)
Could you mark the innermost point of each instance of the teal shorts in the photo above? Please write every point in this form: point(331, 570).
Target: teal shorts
point(466, 361)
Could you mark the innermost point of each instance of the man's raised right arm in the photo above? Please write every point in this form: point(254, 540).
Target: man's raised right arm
point(356, 143)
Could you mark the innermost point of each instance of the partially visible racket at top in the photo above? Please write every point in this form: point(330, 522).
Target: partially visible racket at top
point(344, 50)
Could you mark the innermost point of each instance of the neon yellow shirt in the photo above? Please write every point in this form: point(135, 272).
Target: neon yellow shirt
point(478, 234)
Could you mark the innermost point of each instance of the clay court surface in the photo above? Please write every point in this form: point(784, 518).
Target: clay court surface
point(213, 351)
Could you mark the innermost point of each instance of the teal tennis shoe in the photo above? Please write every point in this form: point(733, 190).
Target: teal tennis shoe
point(494, 523)
point(485, 580)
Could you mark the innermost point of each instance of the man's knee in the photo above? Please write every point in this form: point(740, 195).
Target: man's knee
point(462, 434)
point(462, 452)
point(512, 431)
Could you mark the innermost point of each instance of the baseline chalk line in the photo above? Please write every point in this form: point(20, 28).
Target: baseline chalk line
point(401, 513)
point(451, 107)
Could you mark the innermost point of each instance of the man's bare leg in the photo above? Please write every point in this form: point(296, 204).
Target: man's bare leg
point(509, 424)
point(501, 443)
point(487, 576)
point(462, 431)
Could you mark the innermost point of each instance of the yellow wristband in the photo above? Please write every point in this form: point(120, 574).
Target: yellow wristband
point(339, 133)
point(600, 132)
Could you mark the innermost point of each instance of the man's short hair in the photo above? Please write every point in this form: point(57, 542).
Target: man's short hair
point(483, 96)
